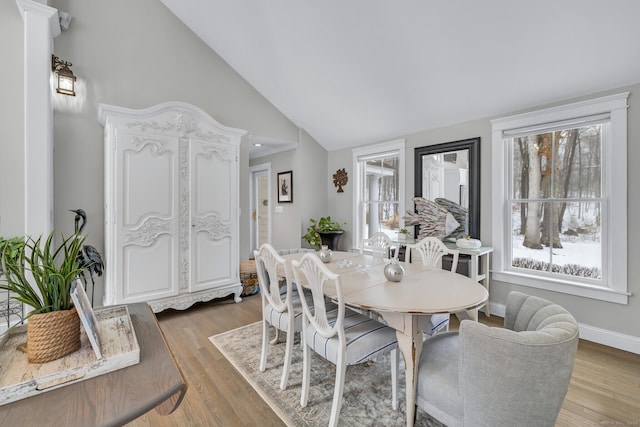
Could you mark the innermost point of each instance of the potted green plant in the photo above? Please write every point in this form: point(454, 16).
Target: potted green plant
point(403, 233)
point(11, 247)
point(324, 231)
point(41, 275)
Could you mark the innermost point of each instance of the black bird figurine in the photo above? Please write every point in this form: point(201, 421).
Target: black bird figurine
point(89, 258)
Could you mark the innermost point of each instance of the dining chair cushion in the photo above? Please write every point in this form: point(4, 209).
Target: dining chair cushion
point(380, 338)
point(279, 319)
point(438, 321)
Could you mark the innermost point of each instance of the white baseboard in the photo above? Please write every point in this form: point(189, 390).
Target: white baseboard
point(592, 333)
point(610, 338)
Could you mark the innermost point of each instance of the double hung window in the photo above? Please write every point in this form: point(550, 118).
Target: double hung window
point(559, 199)
point(379, 189)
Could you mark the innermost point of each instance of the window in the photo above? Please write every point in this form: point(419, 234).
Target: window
point(379, 189)
point(559, 199)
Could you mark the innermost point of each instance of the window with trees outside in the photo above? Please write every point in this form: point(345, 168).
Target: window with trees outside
point(379, 189)
point(559, 200)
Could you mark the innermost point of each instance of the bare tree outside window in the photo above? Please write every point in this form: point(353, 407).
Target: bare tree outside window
point(380, 204)
point(556, 202)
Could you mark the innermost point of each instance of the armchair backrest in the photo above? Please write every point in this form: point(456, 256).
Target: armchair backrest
point(431, 250)
point(526, 366)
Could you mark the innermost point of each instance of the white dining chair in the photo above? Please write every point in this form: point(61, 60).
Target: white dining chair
point(339, 335)
point(431, 251)
point(281, 307)
point(378, 242)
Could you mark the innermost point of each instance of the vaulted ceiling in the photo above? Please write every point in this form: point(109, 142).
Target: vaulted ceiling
point(356, 71)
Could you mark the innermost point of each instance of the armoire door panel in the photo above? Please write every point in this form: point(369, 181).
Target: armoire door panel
point(147, 237)
point(212, 207)
point(212, 263)
point(213, 180)
point(148, 179)
point(150, 272)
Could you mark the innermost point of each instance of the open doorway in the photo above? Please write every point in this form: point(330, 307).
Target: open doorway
point(260, 205)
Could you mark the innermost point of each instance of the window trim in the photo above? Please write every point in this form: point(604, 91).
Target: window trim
point(614, 181)
point(390, 147)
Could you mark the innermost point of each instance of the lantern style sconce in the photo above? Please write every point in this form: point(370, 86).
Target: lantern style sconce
point(66, 81)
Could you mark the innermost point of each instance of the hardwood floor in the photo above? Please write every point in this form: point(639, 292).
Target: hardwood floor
point(604, 389)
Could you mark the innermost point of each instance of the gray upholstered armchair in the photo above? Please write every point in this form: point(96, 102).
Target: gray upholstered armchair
point(512, 376)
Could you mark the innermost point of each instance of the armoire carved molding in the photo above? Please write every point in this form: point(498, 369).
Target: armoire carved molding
point(171, 206)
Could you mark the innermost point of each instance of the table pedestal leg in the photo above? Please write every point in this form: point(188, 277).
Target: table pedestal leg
point(411, 348)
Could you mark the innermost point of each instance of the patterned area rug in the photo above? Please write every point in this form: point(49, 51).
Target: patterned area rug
point(367, 389)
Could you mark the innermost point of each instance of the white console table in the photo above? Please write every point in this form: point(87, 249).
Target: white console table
point(479, 265)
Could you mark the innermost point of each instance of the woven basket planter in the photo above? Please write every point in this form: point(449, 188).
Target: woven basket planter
point(52, 335)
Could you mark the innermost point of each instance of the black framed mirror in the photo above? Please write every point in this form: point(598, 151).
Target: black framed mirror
point(452, 171)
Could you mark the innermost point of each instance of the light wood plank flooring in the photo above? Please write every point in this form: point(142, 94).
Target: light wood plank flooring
point(604, 389)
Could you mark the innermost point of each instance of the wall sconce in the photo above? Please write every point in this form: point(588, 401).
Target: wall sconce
point(65, 79)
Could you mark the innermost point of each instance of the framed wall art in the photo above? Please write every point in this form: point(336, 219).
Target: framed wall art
point(285, 187)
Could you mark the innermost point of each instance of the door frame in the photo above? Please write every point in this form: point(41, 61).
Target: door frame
point(254, 172)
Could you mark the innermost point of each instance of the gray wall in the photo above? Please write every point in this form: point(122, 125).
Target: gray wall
point(308, 161)
point(131, 54)
point(604, 315)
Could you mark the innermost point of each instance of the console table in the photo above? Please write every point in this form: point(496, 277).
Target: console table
point(479, 265)
point(115, 398)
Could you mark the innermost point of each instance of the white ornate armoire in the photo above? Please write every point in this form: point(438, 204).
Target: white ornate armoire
point(171, 206)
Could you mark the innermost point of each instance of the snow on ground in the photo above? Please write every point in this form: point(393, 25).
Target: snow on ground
point(584, 252)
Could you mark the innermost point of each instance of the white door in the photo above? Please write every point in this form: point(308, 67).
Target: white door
point(213, 214)
point(260, 206)
point(146, 246)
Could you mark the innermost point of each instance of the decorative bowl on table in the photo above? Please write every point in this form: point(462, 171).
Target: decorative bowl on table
point(468, 243)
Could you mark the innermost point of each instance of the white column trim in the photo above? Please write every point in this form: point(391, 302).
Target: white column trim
point(41, 25)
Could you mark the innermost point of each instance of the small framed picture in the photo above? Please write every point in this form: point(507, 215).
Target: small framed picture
point(285, 187)
point(87, 316)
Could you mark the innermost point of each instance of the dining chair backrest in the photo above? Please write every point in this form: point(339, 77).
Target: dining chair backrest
point(377, 242)
point(312, 272)
point(431, 250)
point(341, 336)
point(268, 261)
point(281, 308)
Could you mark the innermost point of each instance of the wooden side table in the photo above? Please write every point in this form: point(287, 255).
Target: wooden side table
point(115, 398)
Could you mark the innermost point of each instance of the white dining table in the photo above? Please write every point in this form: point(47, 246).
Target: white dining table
point(405, 306)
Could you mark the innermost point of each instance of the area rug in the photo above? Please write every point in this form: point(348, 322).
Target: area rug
point(367, 389)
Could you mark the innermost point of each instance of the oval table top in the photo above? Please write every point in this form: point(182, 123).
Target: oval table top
point(422, 290)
